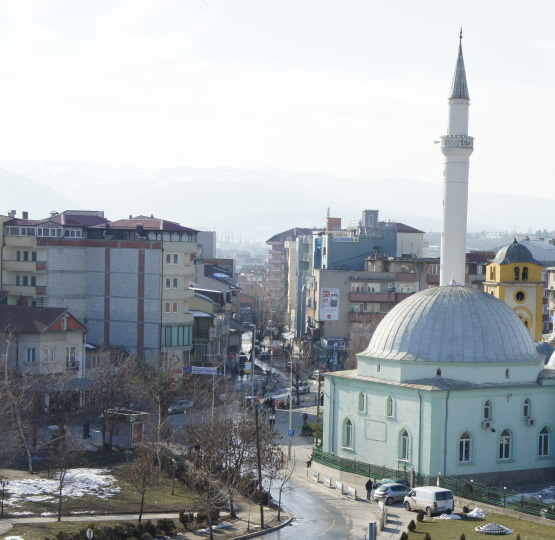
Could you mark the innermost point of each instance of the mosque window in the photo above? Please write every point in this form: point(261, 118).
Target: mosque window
point(507, 373)
point(348, 434)
point(543, 443)
point(404, 445)
point(361, 402)
point(525, 274)
point(465, 448)
point(378, 367)
point(526, 408)
point(438, 372)
point(517, 273)
point(520, 296)
point(389, 407)
point(487, 410)
point(505, 441)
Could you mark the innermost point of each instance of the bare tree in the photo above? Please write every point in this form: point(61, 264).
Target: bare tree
point(282, 479)
point(143, 473)
point(359, 338)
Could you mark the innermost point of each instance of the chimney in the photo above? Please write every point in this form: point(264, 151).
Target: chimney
point(25, 215)
point(333, 224)
point(11, 213)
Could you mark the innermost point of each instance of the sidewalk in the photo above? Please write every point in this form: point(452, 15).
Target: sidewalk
point(246, 525)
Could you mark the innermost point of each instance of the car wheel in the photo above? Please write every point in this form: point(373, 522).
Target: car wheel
point(389, 500)
point(407, 506)
point(429, 512)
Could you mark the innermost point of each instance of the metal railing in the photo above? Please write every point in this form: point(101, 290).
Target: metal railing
point(461, 488)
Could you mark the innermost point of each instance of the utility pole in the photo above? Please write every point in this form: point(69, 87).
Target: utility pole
point(261, 499)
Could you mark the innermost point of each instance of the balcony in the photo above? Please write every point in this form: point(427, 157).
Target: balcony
point(24, 290)
point(433, 278)
point(372, 297)
point(406, 277)
point(20, 266)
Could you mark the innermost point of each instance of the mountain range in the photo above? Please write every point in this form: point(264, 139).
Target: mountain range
point(252, 203)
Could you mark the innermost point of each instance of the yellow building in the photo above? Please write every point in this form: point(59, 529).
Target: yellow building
point(516, 278)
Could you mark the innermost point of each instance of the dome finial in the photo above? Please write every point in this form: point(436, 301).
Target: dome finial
point(460, 36)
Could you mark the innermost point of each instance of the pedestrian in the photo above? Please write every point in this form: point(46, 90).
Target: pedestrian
point(305, 418)
point(242, 373)
point(86, 430)
point(369, 486)
point(322, 398)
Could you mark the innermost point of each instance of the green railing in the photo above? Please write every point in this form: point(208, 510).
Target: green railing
point(461, 488)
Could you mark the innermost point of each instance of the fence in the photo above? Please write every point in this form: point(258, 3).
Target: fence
point(462, 488)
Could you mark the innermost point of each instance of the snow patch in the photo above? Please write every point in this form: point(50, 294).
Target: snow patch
point(477, 513)
point(448, 516)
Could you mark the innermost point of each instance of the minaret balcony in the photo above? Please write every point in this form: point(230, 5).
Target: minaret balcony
point(457, 141)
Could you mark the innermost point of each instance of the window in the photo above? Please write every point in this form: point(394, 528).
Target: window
point(389, 407)
point(517, 273)
point(64, 324)
point(480, 269)
point(168, 282)
point(526, 408)
point(507, 373)
point(17, 280)
point(361, 402)
point(505, 445)
point(25, 255)
point(465, 448)
point(543, 443)
point(71, 358)
point(174, 307)
point(175, 258)
point(434, 269)
point(167, 307)
point(175, 283)
point(34, 256)
point(175, 336)
point(93, 361)
point(48, 354)
point(25, 280)
point(31, 355)
point(168, 258)
point(348, 434)
point(492, 273)
point(438, 372)
point(525, 274)
point(33, 281)
point(404, 445)
point(18, 256)
point(487, 410)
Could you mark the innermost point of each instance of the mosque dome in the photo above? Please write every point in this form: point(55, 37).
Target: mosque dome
point(514, 253)
point(452, 324)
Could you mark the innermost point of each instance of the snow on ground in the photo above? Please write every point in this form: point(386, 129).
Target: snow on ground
point(13, 538)
point(477, 513)
point(96, 482)
point(448, 516)
point(548, 495)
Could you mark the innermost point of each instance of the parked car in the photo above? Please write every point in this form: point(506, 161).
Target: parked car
point(304, 387)
point(431, 499)
point(315, 375)
point(179, 406)
point(391, 493)
point(265, 355)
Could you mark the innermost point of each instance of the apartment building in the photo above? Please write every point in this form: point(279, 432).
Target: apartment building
point(126, 280)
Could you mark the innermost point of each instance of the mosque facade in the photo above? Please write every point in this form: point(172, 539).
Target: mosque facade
point(451, 381)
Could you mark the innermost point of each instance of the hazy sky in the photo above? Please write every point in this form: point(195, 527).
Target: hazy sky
point(351, 88)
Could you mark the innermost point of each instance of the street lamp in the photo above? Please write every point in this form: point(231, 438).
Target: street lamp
point(504, 496)
point(290, 402)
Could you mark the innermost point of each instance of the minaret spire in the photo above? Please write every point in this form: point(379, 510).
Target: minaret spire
point(457, 147)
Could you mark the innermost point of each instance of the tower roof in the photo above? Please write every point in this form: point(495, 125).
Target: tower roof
point(515, 253)
point(459, 88)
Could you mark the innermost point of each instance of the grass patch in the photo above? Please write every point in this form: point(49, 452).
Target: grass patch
point(158, 498)
point(447, 529)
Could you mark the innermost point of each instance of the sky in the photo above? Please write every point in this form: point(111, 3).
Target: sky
point(356, 89)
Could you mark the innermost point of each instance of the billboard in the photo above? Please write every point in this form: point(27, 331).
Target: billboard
point(329, 304)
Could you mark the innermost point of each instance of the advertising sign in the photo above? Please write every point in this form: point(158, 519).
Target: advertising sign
point(329, 304)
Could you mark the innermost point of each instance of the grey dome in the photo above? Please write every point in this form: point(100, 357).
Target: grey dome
point(452, 324)
point(514, 253)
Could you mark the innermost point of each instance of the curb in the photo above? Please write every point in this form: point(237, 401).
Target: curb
point(5, 526)
point(265, 531)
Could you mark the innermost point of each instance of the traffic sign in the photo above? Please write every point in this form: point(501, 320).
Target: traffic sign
point(291, 432)
point(255, 388)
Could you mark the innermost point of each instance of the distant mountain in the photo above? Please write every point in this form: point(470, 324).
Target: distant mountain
point(252, 203)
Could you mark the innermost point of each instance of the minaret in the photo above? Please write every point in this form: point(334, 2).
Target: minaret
point(456, 146)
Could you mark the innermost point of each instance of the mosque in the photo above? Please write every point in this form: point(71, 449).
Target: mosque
point(451, 381)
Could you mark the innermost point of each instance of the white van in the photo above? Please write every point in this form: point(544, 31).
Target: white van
point(431, 499)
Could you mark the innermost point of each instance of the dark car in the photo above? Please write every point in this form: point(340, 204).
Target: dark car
point(265, 355)
point(391, 493)
point(394, 481)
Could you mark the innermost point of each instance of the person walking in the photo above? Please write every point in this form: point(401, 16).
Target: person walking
point(373, 492)
point(369, 486)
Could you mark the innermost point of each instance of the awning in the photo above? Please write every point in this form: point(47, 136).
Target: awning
point(201, 314)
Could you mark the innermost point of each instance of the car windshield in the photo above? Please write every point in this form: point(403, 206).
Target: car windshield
point(443, 495)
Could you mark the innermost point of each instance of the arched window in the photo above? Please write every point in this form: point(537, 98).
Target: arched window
point(517, 273)
point(389, 406)
point(465, 448)
point(505, 445)
point(526, 408)
point(361, 402)
point(348, 434)
point(507, 373)
point(404, 445)
point(543, 443)
point(438, 372)
point(525, 274)
point(491, 273)
point(487, 410)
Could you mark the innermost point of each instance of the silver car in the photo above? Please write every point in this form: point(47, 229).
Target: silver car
point(179, 405)
point(391, 493)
